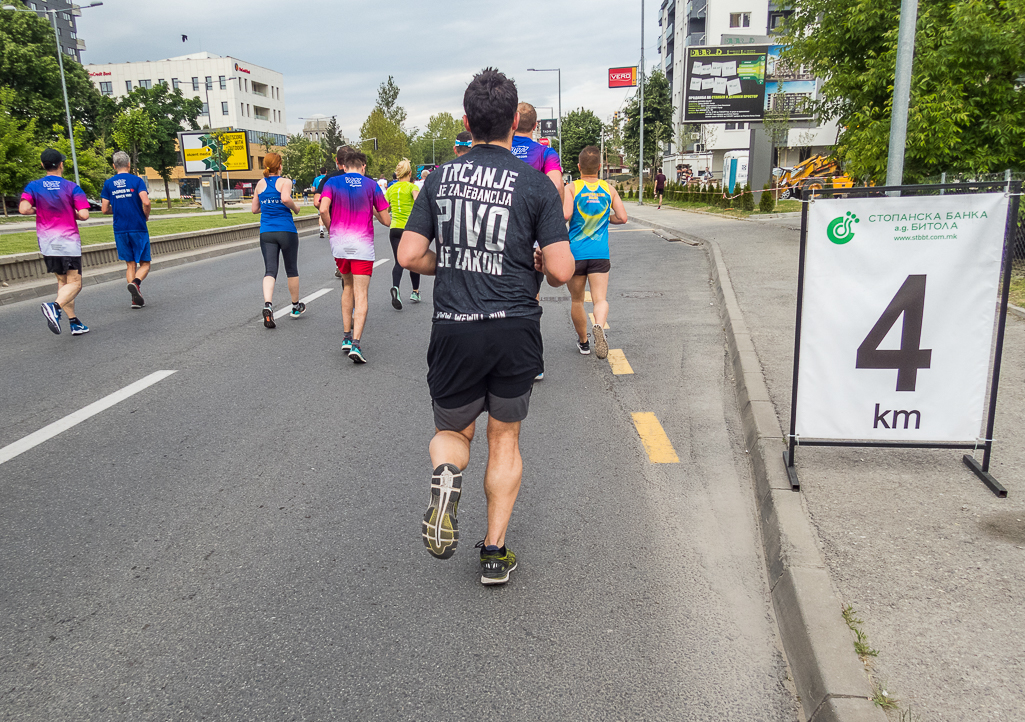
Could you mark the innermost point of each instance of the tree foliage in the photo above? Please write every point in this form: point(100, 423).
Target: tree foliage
point(133, 133)
point(443, 128)
point(333, 138)
point(301, 160)
point(580, 128)
point(29, 67)
point(387, 101)
point(658, 108)
point(93, 159)
point(19, 154)
point(967, 109)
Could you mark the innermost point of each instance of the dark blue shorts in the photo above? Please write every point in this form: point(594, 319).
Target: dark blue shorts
point(133, 246)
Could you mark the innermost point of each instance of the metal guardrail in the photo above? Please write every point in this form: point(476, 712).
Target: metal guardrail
point(20, 267)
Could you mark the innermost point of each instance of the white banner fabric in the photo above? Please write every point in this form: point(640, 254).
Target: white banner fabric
point(898, 317)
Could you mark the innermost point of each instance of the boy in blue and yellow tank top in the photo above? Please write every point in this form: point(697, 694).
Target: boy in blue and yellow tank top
point(590, 205)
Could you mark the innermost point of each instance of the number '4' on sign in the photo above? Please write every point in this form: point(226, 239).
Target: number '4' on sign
point(909, 301)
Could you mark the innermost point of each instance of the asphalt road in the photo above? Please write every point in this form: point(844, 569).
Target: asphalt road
point(241, 540)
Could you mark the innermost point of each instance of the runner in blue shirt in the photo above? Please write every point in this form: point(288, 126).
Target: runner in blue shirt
point(126, 197)
point(272, 199)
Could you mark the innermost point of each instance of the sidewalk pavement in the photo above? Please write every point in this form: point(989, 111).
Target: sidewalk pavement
point(926, 555)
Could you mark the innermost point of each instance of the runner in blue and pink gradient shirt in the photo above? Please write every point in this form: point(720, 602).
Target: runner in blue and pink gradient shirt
point(58, 205)
point(349, 203)
point(532, 153)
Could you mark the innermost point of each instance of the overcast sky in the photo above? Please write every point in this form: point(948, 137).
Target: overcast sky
point(335, 54)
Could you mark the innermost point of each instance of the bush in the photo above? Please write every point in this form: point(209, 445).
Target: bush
point(768, 201)
point(748, 199)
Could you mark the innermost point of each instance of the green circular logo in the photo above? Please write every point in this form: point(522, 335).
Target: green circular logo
point(840, 230)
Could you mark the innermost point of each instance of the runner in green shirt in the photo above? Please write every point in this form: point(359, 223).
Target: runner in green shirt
point(400, 196)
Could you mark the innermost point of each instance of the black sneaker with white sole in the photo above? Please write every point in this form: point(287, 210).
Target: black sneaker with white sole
point(495, 564)
point(396, 303)
point(584, 348)
point(440, 530)
point(268, 316)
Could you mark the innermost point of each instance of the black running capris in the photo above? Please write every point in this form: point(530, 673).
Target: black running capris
point(287, 243)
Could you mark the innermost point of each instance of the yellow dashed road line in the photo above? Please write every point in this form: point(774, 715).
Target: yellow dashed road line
point(618, 362)
point(653, 436)
point(604, 326)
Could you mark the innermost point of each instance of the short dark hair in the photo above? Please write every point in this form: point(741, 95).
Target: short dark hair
point(353, 158)
point(490, 105)
point(589, 160)
point(528, 118)
point(341, 152)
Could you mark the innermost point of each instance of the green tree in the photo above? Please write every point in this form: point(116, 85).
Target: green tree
point(967, 109)
point(19, 154)
point(392, 144)
point(658, 108)
point(387, 101)
point(443, 128)
point(301, 160)
point(220, 153)
point(29, 67)
point(93, 159)
point(170, 112)
point(580, 128)
point(133, 133)
point(332, 139)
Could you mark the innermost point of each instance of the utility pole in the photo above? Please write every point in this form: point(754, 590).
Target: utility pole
point(640, 79)
point(901, 92)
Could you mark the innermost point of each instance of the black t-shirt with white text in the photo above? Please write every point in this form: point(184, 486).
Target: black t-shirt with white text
point(485, 210)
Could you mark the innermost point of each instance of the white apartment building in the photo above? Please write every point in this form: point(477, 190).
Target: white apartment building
point(234, 93)
point(724, 22)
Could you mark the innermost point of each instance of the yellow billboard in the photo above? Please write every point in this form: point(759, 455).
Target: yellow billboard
point(213, 151)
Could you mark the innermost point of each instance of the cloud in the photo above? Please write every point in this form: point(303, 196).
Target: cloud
point(334, 55)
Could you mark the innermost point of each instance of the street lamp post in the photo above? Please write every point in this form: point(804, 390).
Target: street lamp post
point(64, 85)
point(559, 120)
point(434, 160)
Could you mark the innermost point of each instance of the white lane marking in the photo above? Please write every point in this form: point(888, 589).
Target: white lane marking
point(288, 309)
point(383, 260)
point(48, 432)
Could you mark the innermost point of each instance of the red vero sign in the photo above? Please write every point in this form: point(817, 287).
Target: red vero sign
point(545, 142)
point(623, 77)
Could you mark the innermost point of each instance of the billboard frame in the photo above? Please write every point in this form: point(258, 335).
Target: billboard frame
point(182, 134)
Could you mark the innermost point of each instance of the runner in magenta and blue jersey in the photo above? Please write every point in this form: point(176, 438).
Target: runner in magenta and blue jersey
point(533, 153)
point(349, 203)
point(58, 204)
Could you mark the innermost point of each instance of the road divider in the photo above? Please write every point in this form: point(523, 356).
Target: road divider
point(618, 362)
point(653, 436)
point(48, 432)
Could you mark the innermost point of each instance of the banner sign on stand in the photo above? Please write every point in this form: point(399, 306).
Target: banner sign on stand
point(549, 127)
point(897, 308)
point(725, 83)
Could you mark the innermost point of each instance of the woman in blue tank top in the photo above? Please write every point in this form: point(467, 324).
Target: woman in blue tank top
point(272, 199)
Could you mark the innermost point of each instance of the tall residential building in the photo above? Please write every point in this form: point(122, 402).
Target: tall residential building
point(67, 31)
point(686, 23)
point(234, 93)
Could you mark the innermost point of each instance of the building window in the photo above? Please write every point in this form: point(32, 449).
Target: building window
point(740, 20)
point(59, 31)
point(209, 82)
point(74, 35)
point(735, 126)
point(260, 160)
point(128, 86)
point(241, 108)
point(66, 17)
point(206, 109)
point(161, 81)
point(174, 83)
point(224, 107)
point(146, 84)
point(195, 83)
point(223, 82)
point(247, 84)
point(106, 88)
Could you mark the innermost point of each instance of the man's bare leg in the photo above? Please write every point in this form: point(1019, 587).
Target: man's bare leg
point(576, 309)
point(130, 271)
point(143, 270)
point(68, 288)
point(599, 283)
point(347, 298)
point(502, 478)
point(361, 284)
point(450, 453)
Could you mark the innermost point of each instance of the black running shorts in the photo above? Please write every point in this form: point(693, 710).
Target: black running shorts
point(62, 264)
point(483, 365)
point(592, 265)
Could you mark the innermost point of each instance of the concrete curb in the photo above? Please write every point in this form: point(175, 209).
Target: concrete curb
point(831, 681)
point(45, 286)
point(1016, 310)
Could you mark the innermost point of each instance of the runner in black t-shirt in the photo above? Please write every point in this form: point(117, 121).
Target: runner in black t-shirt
point(484, 210)
point(660, 187)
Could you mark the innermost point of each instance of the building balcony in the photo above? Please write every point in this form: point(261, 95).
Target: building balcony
point(697, 8)
point(695, 39)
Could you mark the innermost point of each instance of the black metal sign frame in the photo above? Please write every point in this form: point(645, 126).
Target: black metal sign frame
point(1013, 188)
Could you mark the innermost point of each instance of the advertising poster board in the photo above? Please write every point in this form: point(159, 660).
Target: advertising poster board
point(897, 320)
point(548, 127)
point(725, 83)
point(791, 88)
point(197, 151)
point(623, 77)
